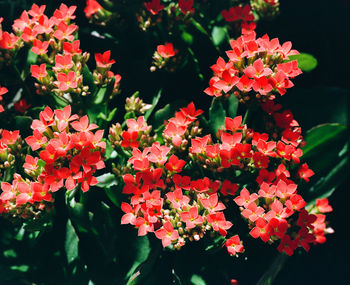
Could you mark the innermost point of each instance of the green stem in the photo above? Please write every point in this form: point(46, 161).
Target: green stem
point(246, 116)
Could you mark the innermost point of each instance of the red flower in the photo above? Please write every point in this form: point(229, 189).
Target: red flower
point(234, 245)
point(260, 230)
point(167, 234)
point(191, 218)
point(245, 198)
point(175, 164)
point(64, 32)
point(38, 72)
point(166, 50)
point(103, 60)
point(21, 106)
point(186, 6)
point(83, 125)
point(130, 139)
point(8, 41)
point(92, 7)
point(323, 206)
point(154, 6)
point(305, 172)
point(238, 13)
point(66, 81)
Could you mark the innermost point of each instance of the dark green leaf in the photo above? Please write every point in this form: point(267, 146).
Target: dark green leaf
point(143, 250)
point(306, 62)
point(23, 122)
point(325, 186)
point(232, 106)
point(322, 135)
point(217, 115)
point(154, 104)
point(71, 243)
point(88, 79)
point(114, 194)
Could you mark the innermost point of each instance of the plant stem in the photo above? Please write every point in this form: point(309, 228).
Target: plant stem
point(246, 116)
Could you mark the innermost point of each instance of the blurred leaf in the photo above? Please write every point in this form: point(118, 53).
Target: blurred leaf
point(276, 266)
point(106, 180)
point(187, 38)
point(197, 280)
point(198, 26)
point(306, 62)
point(154, 104)
point(217, 115)
point(21, 268)
point(218, 34)
point(71, 243)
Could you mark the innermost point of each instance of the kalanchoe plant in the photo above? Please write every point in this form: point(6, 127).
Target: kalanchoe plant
point(129, 194)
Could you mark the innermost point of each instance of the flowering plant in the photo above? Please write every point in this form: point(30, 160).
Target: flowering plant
point(111, 188)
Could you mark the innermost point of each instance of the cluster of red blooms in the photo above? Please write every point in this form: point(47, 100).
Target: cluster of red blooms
point(177, 207)
point(256, 68)
point(242, 14)
point(52, 40)
point(70, 153)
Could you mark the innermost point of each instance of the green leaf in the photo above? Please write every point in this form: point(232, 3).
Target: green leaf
point(143, 250)
point(321, 136)
point(71, 243)
point(104, 92)
point(88, 79)
point(106, 180)
point(217, 115)
point(114, 194)
point(154, 104)
point(232, 106)
point(306, 62)
point(198, 26)
point(187, 38)
point(23, 122)
point(325, 186)
point(197, 280)
point(218, 34)
point(21, 268)
point(163, 114)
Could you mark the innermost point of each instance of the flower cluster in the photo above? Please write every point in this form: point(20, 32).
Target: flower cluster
point(54, 41)
point(69, 155)
point(178, 205)
point(256, 68)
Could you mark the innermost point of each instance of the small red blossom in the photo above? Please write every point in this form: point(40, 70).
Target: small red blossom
point(103, 59)
point(154, 6)
point(166, 50)
point(234, 245)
